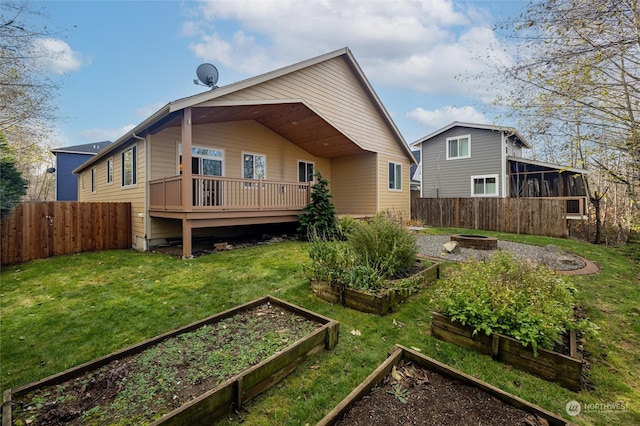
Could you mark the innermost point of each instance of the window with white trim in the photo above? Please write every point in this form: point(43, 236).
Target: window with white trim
point(93, 179)
point(305, 171)
point(459, 147)
point(129, 177)
point(254, 166)
point(110, 171)
point(484, 186)
point(395, 176)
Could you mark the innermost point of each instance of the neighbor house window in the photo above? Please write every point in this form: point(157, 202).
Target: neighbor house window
point(484, 186)
point(305, 171)
point(459, 147)
point(254, 166)
point(129, 167)
point(110, 170)
point(93, 179)
point(395, 175)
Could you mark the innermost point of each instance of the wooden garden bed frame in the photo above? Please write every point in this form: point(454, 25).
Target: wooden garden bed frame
point(552, 366)
point(367, 302)
point(399, 353)
point(230, 394)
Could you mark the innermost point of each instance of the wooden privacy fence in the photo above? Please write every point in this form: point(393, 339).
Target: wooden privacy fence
point(533, 216)
point(44, 229)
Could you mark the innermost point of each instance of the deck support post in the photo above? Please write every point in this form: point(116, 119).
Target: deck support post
point(186, 239)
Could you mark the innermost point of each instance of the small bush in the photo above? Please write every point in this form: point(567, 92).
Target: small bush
point(319, 217)
point(330, 260)
point(384, 245)
point(345, 227)
point(373, 251)
point(505, 295)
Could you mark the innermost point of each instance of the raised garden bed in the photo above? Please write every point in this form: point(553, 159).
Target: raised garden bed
point(380, 303)
point(566, 370)
point(284, 335)
point(411, 388)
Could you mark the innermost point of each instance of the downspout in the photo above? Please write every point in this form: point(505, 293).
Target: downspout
point(143, 215)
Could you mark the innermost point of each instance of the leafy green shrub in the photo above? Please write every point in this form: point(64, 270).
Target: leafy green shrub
point(330, 260)
point(12, 184)
point(345, 226)
point(384, 245)
point(373, 251)
point(505, 295)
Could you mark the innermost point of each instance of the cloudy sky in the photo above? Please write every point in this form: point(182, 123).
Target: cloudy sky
point(120, 61)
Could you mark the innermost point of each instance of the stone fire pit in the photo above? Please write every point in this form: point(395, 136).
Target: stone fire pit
point(478, 242)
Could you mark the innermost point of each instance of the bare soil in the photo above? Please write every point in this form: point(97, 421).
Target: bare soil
point(413, 395)
point(140, 388)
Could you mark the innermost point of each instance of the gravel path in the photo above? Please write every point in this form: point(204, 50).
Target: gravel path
point(552, 256)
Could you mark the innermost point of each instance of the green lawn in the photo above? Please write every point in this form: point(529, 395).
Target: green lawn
point(60, 312)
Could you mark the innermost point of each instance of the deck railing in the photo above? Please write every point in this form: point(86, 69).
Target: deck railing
point(216, 193)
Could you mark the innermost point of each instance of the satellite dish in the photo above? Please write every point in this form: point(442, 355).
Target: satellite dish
point(208, 75)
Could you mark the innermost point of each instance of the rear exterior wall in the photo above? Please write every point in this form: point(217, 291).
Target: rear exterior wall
point(452, 178)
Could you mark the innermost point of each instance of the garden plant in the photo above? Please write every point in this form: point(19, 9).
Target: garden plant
point(527, 301)
point(374, 252)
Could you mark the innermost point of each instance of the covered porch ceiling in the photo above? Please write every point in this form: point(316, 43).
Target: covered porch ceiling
point(293, 121)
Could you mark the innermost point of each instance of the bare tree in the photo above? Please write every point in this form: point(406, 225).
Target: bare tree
point(576, 78)
point(27, 92)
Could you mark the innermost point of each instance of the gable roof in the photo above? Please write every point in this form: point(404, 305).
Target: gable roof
point(172, 110)
point(510, 131)
point(87, 148)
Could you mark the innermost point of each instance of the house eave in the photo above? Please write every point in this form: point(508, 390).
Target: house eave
point(509, 131)
point(557, 167)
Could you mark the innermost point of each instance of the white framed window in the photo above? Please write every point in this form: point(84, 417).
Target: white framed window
point(110, 171)
point(93, 179)
point(484, 186)
point(395, 176)
point(254, 166)
point(129, 173)
point(204, 161)
point(459, 147)
point(305, 171)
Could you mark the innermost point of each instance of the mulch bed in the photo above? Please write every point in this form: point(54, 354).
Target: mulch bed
point(413, 395)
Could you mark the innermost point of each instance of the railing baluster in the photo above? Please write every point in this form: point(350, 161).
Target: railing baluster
point(214, 193)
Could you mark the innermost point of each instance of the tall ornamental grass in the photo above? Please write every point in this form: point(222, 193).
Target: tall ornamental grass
point(372, 252)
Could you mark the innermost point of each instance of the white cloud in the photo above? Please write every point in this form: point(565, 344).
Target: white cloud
point(433, 120)
point(98, 135)
point(148, 110)
point(430, 46)
point(56, 56)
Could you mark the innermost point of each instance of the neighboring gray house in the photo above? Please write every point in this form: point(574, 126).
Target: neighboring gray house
point(67, 159)
point(481, 160)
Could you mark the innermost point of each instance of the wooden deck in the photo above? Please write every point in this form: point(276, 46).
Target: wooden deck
point(219, 194)
point(215, 201)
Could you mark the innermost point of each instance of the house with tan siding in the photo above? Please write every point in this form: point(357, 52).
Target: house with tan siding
point(245, 154)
